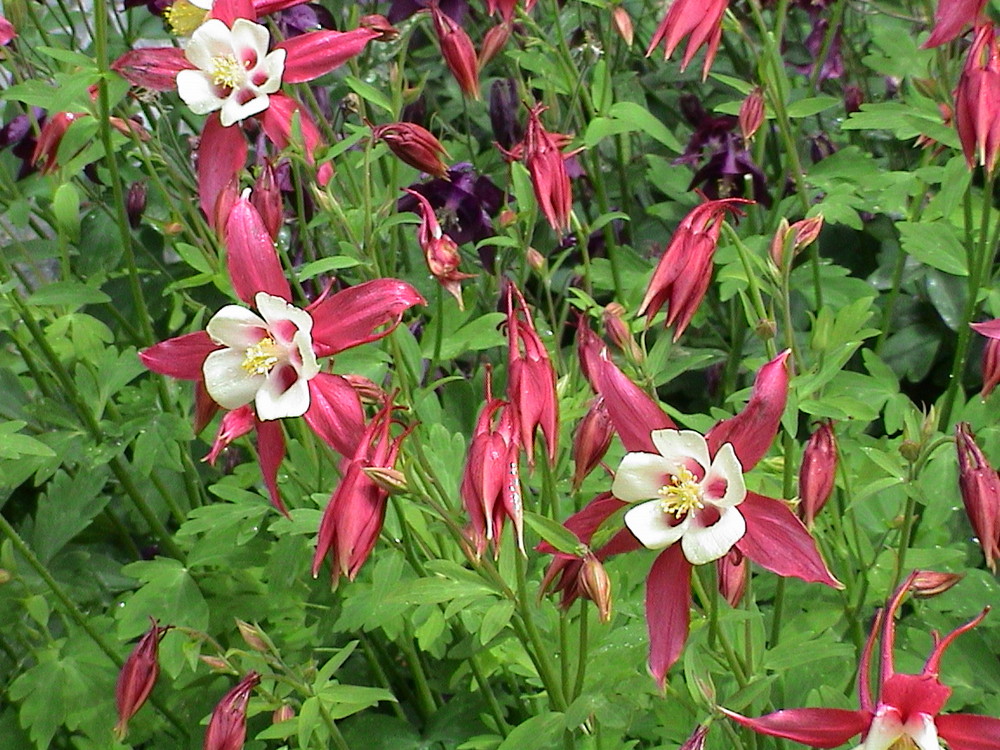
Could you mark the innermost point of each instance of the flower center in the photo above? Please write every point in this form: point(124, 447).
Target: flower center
point(226, 71)
point(261, 357)
point(183, 17)
point(904, 743)
point(682, 495)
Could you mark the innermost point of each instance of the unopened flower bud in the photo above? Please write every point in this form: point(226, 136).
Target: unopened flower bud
point(596, 586)
point(504, 105)
point(910, 450)
point(266, 198)
point(816, 475)
point(928, 583)
point(284, 713)
point(751, 115)
point(979, 484)
point(493, 42)
point(5, 576)
point(216, 663)
point(47, 145)
point(508, 218)
point(173, 227)
point(251, 635)
point(135, 203)
point(227, 729)
point(535, 259)
point(390, 480)
point(593, 437)
point(619, 332)
point(733, 572)
point(853, 99)
point(458, 53)
point(791, 239)
point(414, 145)
point(138, 675)
point(367, 390)
point(697, 740)
point(623, 24)
point(766, 329)
point(387, 32)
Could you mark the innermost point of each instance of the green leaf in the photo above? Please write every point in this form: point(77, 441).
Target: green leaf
point(66, 509)
point(536, 733)
point(495, 620)
point(169, 594)
point(13, 445)
point(194, 257)
point(646, 122)
point(811, 106)
point(554, 533)
point(325, 265)
point(73, 294)
point(369, 93)
point(934, 243)
point(66, 209)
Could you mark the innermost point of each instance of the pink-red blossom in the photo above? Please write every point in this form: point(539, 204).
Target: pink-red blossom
point(700, 21)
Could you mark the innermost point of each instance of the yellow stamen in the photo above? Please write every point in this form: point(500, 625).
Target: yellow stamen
point(183, 17)
point(226, 71)
point(904, 743)
point(682, 495)
point(261, 357)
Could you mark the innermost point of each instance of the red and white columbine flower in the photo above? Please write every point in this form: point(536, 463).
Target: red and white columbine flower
point(263, 364)
point(907, 712)
point(692, 491)
point(230, 71)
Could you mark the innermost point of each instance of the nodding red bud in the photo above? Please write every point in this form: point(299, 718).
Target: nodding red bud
point(791, 239)
point(816, 475)
point(266, 198)
point(7, 32)
point(535, 259)
point(596, 586)
point(387, 32)
point(227, 729)
point(928, 583)
point(252, 636)
point(440, 250)
point(458, 53)
point(977, 101)
point(138, 675)
point(623, 24)
point(593, 437)
point(619, 332)
point(493, 42)
point(546, 165)
point(414, 145)
point(47, 145)
point(284, 713)
point(733, 573)
point(980, 487)
point(751, 115)
point(697, 739)
point(135, 203)
point(990, 366)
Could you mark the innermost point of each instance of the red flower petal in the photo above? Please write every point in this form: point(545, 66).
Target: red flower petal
point(969, 731)
point(271, 448)
point(816, 727)
point(335, 413)
point(252, 260)
point(360, 314)
point(225, 152)
point(153, 68)
point(633, 413)
point(668, 610)
point(316, 53)
point(752, 431)
point(180, 357)
point(778, 541)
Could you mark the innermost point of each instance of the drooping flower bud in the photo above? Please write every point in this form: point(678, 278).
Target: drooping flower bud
point(697, 739)
point(990, 366)
point(619, 332)
point(414, 145)
point(284, 713)
point(596, 585)
point(504, 103)
point(458, 53)
point(976, 101)
point(751, 115)
point(623, 24)
point(227, 729)
point(252, 636)
point(266, 198)
point(733, 572)
point(387, 32)
point(138, 675)
point(47, 146)
point(493, 43)
point(980, 487)
point(135, 203)
point(928, 583)
point(791, 239)
point(593, 437)
point(440, 250)
point(816, 475)
point(542, 152)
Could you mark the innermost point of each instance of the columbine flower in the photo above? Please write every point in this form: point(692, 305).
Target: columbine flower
point(976, 99)
point(440, 251)
point(227, 729)
point(702, 20)
point(228, 73)
point(694, 494)
point(684, 271)
point(979, 484)
point(269, 358)
point(950, 19)
point(692, 499)
point(991, 354)
point(907, 713)
point(457, 50)
point(137, 677)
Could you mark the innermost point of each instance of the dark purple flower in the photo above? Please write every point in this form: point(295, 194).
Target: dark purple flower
point(463, 201)
point(302, 18)
point(400, 10)
point(724, 174)
point(833, 63)
point(19, 137)
point(504, 106)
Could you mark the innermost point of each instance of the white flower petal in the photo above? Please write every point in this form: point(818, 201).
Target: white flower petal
point(677, 445)
point(203, 4)
point(651, 525)
point(249, 37)
point(886, 728)
point(276, 311)
point(923, 731)
point(640, 476)
point(274, 401)
point(273, 67)
point(725, 470)
point(703, 544)
point(229, 385)
point(236, 327)
point(234, 112)
point(195, 88)
point(212, 39)
point(309, 367)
